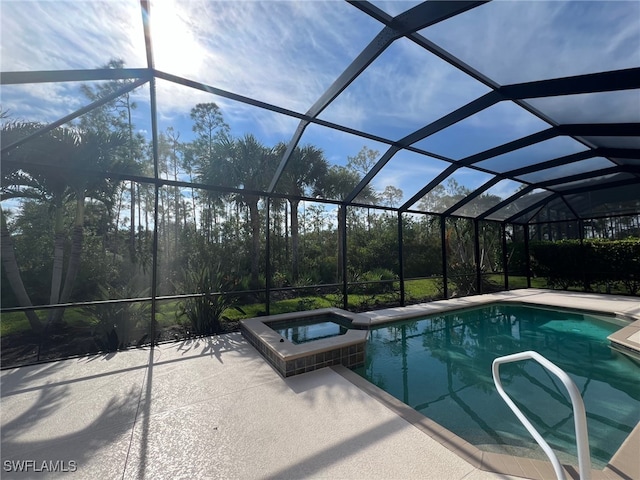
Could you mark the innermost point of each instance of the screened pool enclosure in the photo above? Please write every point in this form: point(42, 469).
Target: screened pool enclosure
point(170, 167)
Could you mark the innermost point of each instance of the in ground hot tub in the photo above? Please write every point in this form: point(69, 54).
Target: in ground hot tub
point(300, 342)
point(309, 329)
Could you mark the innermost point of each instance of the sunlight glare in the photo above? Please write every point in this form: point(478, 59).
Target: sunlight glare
point(175, 48)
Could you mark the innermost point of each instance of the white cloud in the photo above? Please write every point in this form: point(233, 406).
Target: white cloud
point(59, 36)
point(289, 53)
point(70, 35)
point(42, 102)
point(533, 154)
point(409, 172)
point(284, 53)
point(176, 101)
point(514, 42)
point(507, 114)
point(504, 188)
point(498, 124)
point(404, 89)
point(271, 127)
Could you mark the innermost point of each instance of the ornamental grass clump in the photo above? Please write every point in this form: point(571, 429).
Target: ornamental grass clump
point(204, 313)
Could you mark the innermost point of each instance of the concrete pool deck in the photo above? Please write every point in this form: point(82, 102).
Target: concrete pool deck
point(208, 408)
point(214, 408)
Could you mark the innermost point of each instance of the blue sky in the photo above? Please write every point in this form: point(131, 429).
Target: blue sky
point(289, 53)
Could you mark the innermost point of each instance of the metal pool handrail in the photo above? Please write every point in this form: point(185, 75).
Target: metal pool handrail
point(579, 413)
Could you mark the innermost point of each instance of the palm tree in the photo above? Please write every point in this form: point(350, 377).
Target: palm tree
point(337, 184)
point(200, 156)
point(96, 150)
point(247, 164)
point(305, 170)
point(12, 177)
point(18, 183)
point(12, 270)
point(61, 166)
point(116, 116)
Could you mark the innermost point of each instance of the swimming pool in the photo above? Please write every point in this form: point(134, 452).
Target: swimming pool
point(441, 366)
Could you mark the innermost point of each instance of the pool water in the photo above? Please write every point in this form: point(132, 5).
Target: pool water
point(310, 328)
point(441, 366)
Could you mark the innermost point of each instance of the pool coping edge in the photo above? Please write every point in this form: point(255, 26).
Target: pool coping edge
point(621, 462)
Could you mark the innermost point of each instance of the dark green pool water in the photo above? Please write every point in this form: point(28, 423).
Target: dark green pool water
point(441, 366)
point(309, 329)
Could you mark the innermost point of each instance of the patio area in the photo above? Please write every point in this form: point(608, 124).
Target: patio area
point(174, 170)
point(213, 408)
point(207, 408)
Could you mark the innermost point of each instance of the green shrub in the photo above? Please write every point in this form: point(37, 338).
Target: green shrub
point(463, 276)
point(115, 324)
point(572, 264)
point(204, 313)
point(379, 280)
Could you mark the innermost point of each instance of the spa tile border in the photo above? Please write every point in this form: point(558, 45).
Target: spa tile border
point(290, 359)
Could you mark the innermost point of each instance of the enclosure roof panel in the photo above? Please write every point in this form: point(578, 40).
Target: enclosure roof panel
point(489, 128)
point(283, 53)
point(507, 111)
point(514, 42)
point(405, 88)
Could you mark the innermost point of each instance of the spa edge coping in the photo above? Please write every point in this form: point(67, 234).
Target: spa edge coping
point(286, 350)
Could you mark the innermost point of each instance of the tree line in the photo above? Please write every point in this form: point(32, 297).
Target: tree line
point(81, 203)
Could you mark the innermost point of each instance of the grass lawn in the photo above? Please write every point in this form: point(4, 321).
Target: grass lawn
point(16, 322)
point(416, 290)
point(420, 290)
